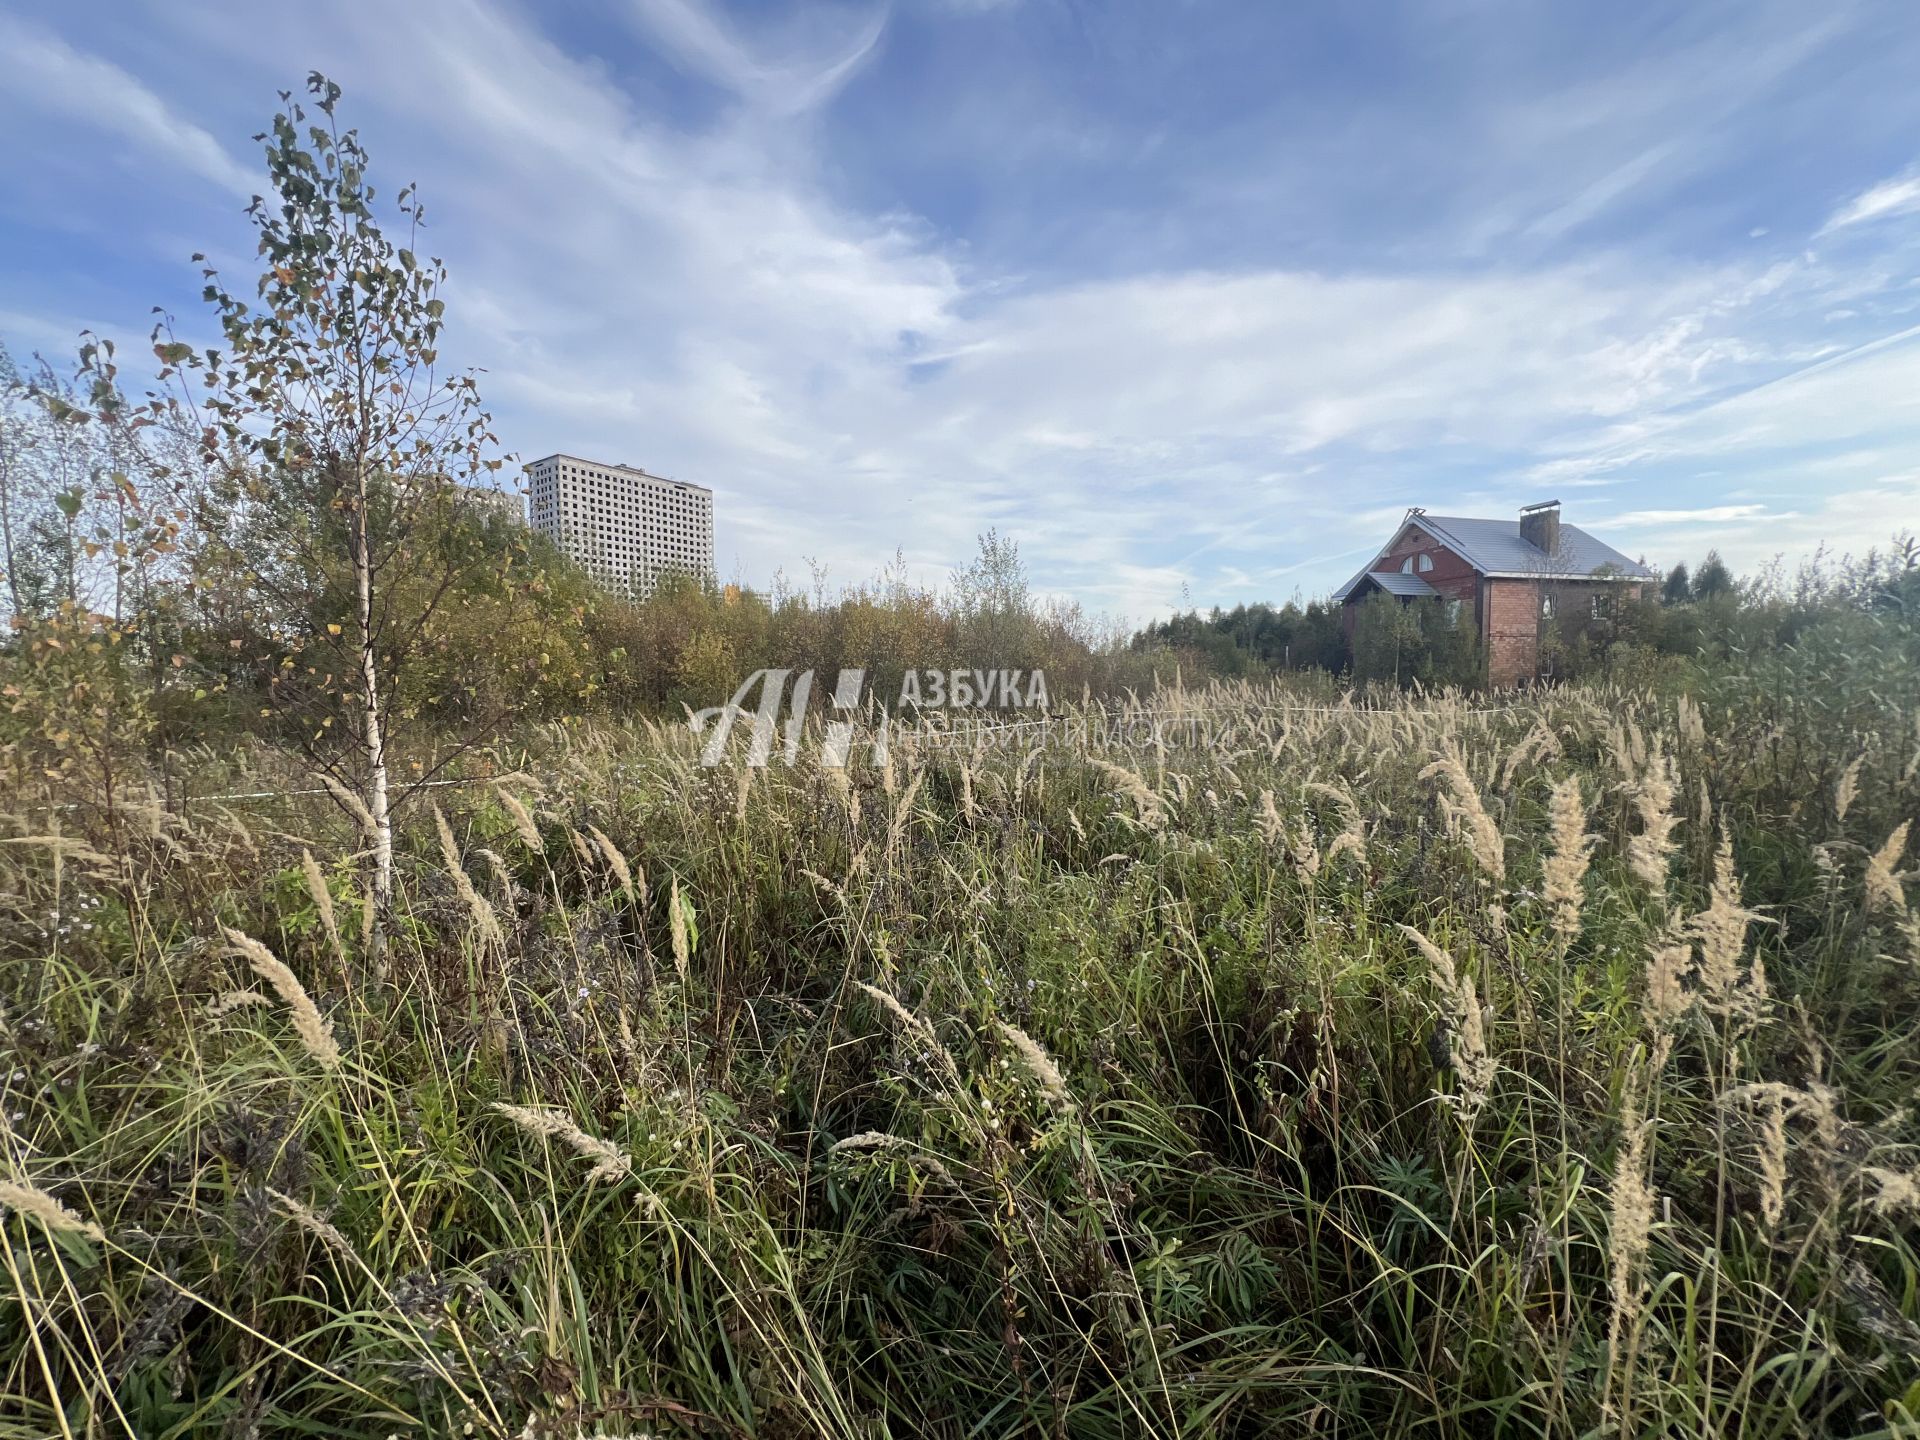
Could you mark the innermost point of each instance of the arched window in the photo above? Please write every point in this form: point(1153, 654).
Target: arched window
point(1426, 563)
point(1406, 566)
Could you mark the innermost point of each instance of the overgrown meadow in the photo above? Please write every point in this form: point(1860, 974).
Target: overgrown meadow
point(1270, 1064)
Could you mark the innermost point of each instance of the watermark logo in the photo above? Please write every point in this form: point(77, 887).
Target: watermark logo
point(920, 691)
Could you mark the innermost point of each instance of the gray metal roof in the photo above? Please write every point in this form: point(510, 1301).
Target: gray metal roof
point(1407, 587)
point(1494, 547)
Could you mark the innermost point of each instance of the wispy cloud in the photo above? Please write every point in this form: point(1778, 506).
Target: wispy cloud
point(51, 77)
point(1899, 195)
point(1707, 515)
point(797, 80)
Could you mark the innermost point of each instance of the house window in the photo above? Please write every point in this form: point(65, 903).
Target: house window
point(1406, 566)
point(1546, 607)
point(1426, 563)
point(1453, 612)
point(1601, 606)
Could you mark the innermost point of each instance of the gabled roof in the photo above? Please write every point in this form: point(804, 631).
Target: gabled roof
point(1494, 547)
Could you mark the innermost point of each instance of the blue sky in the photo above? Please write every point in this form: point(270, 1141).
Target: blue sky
point(1192, 299)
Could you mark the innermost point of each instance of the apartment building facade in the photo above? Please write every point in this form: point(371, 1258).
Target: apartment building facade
point(622, 525)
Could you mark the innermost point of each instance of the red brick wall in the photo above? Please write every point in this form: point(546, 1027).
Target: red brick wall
point(1451, 576)
point(1511, 631)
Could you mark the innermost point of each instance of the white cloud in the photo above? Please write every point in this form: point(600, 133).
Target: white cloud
point(702, 41)
point(52, 77)
point(1706, 515)
point(1897, 196)
point(1853, 520)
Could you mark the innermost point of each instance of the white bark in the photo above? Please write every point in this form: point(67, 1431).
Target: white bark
point(373, 737)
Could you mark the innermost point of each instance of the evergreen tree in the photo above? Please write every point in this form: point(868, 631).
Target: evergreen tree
point(1712, 579)
point(1678, 589)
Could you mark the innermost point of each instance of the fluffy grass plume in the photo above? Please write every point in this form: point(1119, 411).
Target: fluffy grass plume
point(35, 1204)
point(1038, 1065)
point(486, 923)
point(522, 818)
point(234, 1000)
point(1847, 789)
point(354, 806)
point(1652, 790)
point(679, 929)
point(617, 865)
point(1882, 883)
point(1466, 809)
point(1720, 933)
point(1149, 808)
point(1570, 852)
point(1472, 1062)
point(610, 1162)
point(1630, 1207)
point(313, 1028)
point(314, 1224)
point(322, 899)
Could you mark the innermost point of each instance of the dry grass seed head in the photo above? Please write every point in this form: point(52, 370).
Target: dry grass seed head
point(28, 1200)
point(1482, 835)
point(1630, 1225)
point(912, 1025)
point(610, 1162)
point(1720, 931)
point(1895, 1193)
point(678, 930)
point(502, 872)
point(314, 1224)
point(1881, 882)
point(1566, 864)
point(1669, 965)
point(1652, 792)
point(522, 818)
point(322, 899)
point(313, 1028)
point(1039, 1065)
point(616, 862)
point(881, 1140)
point(485, 922)
point(354, 806)
point(1848, 788)
point(232, 1000)
point(1272, 827)
point(1472, 1063)
point(1149, 809)
point(1353, 831)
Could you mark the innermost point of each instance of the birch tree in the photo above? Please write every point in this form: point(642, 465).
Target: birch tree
point(338, 444)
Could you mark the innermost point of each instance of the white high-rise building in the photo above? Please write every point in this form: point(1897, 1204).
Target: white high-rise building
point(622, 525)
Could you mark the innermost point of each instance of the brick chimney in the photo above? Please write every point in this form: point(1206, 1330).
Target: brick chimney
point(1540, 526)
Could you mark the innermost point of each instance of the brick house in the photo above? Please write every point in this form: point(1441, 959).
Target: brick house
point(1519, 576)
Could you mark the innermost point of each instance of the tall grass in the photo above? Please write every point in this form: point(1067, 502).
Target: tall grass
point(1425, 1066)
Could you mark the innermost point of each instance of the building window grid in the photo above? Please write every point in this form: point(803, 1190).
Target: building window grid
point(623, 518)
